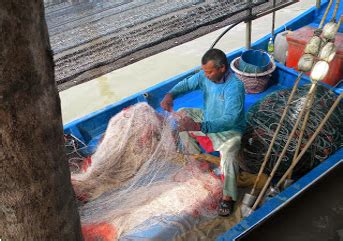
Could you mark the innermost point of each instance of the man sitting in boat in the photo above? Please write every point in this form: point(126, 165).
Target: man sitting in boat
point(221, 119)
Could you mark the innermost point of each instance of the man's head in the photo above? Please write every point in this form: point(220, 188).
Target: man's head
point(214, 64)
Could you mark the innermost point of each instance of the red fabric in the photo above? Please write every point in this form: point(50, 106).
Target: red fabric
point(101, 231)
point(204, 141)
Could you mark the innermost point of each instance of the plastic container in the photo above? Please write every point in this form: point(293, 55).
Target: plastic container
point(254, 61)
point(296, 45)
point(281, 47)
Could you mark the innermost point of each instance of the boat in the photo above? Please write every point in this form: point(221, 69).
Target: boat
point(89, 130)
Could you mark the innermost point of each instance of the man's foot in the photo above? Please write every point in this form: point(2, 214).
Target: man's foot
point(226, 207)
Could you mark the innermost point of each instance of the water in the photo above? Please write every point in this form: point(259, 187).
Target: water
point(114, 86)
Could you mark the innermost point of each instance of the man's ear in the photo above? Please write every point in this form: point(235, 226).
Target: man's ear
point(223, 69)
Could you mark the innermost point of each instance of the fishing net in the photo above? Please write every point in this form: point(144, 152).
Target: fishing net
point(73, 147)
point(136, 179)
point(264, 117)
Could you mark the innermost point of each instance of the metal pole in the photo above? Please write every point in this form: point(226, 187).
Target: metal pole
point(318, 2)
point(273, 20)
point(248, 28)
point(253, 17)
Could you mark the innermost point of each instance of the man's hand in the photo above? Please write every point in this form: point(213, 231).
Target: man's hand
point(167, 102)
point(186, 123)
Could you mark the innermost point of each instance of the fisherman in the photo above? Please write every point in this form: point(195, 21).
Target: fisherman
point(221, 120)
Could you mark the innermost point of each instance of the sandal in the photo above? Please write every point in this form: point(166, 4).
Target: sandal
point(226, 208)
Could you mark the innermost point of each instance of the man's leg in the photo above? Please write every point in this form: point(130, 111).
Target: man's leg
point(230, 168)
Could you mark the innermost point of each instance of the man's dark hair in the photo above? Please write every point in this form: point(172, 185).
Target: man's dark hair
point(217, 56)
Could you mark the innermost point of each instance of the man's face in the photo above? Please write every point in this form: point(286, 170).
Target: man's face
point(212, 72)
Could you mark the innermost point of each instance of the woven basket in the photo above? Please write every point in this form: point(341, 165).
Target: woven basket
point(253, 82)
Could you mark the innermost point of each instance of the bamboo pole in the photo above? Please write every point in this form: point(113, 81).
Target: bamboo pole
point(311, 139)
point(276, 165)
point(266, 157)
point(325, 14)
point(302, 131)
point(333, 18)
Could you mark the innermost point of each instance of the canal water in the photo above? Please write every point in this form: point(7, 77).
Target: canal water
point(116, 85)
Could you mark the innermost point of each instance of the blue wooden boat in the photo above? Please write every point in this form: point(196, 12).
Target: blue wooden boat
point(90, 128)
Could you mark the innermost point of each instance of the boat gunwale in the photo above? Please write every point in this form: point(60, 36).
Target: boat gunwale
point(275, 204)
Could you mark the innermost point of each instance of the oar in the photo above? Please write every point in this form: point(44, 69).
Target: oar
point(308, 144)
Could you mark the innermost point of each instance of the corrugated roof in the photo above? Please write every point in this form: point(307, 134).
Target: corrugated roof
point(91, 38)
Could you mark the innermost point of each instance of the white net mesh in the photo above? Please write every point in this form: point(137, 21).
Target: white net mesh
point(137, 179)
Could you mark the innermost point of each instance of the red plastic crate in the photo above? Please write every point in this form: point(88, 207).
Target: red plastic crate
point(296, 45)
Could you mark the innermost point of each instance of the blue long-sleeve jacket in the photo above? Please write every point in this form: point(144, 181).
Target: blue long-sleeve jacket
point(223, 102)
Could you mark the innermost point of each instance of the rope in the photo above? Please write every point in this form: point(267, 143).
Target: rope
point(262, 121)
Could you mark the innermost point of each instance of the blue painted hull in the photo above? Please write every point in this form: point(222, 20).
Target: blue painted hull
point(90, 128)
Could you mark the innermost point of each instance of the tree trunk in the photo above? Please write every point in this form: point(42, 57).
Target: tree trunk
point(37, 200)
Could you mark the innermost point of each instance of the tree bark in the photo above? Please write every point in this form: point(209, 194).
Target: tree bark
point(37, 201)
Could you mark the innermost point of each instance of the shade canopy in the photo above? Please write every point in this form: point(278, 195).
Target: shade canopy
point(93, 37)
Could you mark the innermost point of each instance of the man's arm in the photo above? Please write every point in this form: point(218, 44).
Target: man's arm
point(186, 85)
point(183, 87)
